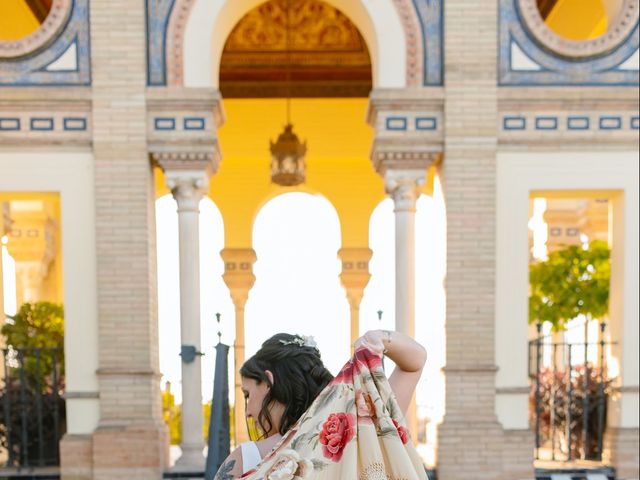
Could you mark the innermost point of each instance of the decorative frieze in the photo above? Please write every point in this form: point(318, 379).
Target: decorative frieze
point(182, 128)
point(61, 118)
point(408, 129)
point(557, 115)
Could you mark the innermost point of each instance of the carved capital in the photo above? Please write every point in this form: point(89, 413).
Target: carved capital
point(355, 272)
point(238, 273)
point(188, 187)
point(404, 187)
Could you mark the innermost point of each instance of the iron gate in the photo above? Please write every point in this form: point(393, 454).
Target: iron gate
point(32, 409)
point(568, 400)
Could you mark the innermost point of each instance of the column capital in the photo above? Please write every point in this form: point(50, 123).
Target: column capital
point(238, 273)
point(355, 275)
point(404, 187)
point(188, 187)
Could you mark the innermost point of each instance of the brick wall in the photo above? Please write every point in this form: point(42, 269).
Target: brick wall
point(130, 441)
point(471, 441)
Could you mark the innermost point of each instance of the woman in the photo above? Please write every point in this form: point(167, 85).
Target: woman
point(281, 381)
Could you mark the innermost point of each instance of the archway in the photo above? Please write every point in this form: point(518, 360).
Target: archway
point(296, 237)
point(381, 26)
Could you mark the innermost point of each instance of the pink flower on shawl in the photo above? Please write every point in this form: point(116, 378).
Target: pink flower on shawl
point(337, 431)
point(403, 433)
point(364, 406)
point(345, 375)
point(363, 357)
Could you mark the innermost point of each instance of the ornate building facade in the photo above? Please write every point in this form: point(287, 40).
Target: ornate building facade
point(105, 105)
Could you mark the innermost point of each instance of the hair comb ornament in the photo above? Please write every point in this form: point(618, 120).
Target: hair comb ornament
point(301, 341)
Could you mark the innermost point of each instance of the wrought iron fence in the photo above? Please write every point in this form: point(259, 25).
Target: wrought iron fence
point(32, 409)
point(568, 400)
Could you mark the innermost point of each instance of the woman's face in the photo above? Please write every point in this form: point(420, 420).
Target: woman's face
point(254, 394)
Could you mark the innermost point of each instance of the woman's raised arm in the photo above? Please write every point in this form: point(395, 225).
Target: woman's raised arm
point(408, 355)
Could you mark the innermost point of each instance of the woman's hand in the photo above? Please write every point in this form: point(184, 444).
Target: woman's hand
point(374, 341)
point(408, 355)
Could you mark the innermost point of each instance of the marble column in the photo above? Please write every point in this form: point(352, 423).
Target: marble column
point(188, 188)
point(354, 278)
point(238, 275)
point(404, 187)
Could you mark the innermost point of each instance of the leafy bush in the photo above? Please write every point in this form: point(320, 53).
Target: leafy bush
point(573, 281)
point(37, 325)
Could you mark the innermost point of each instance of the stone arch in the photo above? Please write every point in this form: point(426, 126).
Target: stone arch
point(392, 31)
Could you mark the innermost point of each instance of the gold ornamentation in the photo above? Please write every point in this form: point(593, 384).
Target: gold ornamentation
point(314, 26)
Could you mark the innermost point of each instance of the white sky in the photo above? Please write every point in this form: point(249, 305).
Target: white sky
point(296, 238)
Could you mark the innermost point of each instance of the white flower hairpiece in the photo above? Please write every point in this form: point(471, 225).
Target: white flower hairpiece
point(301, 341)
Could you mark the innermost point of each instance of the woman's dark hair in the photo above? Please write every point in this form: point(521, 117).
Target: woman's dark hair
point(298, 377)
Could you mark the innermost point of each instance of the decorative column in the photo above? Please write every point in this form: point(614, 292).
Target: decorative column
point(408, 142)
point(188, 188)
point(188, 178)
point(188, 154)
point(239, 277)
point(354, 278)
point(404, 188)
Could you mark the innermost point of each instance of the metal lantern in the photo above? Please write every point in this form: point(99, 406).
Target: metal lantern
point(287, 159)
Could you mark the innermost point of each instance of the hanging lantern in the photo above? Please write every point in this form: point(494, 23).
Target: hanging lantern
point(287, 154)
point(287, 159)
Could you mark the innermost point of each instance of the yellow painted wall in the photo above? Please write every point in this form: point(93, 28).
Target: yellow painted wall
point(16, 20)
point(338, 165)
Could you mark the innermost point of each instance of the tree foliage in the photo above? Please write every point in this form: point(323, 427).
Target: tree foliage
point(572, 281)
point(38, 325)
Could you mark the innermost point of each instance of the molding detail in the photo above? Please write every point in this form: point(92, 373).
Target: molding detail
point(422, 21)
point(615, 35)
point(52, 25)
point(563, 62)
point(187, 160)
point(182, 125)
point(408, 129)
point(43, 116)
point(32, 69)
point(175, 36)
point(414, 41)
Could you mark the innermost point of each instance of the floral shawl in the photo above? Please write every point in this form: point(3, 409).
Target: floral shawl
point(354, 430)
